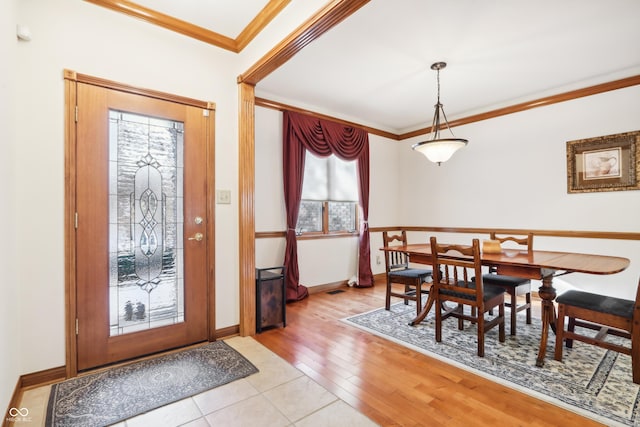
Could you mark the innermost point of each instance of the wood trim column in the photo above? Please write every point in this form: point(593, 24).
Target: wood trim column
point(325, 19)
point(246, 209)
point(70, 91)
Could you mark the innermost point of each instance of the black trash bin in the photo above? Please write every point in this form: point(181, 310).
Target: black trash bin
point(270, 298)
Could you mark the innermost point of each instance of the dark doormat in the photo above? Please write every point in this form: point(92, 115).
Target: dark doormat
point(116, 394)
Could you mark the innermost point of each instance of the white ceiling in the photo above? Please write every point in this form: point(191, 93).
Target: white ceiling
point(227, 17)
point(374, 67)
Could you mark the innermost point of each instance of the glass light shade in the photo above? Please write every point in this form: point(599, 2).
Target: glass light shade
point(440, 150)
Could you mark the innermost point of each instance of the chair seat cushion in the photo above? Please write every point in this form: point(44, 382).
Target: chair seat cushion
point(497, 279)
point(411, 273)
point(596, 302)
point(489, 292)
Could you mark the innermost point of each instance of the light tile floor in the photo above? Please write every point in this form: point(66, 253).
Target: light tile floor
point(278, 395)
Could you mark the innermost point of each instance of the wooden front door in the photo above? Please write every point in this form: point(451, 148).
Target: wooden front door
point(144, 225)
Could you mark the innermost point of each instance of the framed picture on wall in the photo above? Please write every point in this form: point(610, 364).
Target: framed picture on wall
point(604, 163)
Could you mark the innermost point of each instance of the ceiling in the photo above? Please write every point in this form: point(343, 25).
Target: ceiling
point(374, 67)
point(227, 17)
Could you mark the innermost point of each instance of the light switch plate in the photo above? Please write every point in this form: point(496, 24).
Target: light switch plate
point(223, 197)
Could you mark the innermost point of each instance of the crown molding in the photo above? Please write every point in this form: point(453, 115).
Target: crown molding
point(264, 17)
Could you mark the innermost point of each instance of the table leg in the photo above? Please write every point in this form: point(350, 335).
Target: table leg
point(547, 294)
point(424, 312)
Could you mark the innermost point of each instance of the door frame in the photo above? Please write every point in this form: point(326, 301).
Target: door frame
point(71, 79)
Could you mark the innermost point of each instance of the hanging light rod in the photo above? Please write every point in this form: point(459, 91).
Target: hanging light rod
point(438, 149)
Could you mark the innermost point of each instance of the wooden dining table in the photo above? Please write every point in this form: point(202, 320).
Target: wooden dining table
point(538, 265)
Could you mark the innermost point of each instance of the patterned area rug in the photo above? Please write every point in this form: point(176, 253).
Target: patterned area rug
point(116, 394)
point(591, 381)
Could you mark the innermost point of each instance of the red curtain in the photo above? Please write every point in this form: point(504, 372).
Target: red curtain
point(323, 138)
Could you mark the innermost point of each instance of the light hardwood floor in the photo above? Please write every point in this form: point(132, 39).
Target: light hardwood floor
point(392, 385)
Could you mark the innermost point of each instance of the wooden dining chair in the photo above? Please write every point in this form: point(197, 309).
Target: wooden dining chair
point(514, 286)
point(605, 314)
point(399, 272)
point(454, 266)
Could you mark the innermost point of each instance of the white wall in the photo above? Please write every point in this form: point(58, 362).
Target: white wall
point(513, 174)
point(10, 335)
point(78, 35)
point(319, 261)
point(96, 41)
point(386, 191)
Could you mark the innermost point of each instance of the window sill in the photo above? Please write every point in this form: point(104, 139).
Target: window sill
point(336, 235)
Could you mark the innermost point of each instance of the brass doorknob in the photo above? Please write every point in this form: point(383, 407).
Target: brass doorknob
point(197, 237)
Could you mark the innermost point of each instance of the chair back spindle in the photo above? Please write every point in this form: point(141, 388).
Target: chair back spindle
point(457, 279)
point(395, 259)
point(399, 272)
point(458, 272)
point(514, 286)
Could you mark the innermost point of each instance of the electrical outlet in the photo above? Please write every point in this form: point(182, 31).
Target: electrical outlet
point(378, 261)
point(223, 197)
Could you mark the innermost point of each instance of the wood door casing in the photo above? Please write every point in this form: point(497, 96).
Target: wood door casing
point(94, 346)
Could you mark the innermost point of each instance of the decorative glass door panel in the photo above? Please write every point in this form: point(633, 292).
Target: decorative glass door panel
point(146, 283)
point(144, 232)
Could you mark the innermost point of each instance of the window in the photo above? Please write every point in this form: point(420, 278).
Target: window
point(329, 202)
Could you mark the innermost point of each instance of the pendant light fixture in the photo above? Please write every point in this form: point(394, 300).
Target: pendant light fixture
point(438, 149)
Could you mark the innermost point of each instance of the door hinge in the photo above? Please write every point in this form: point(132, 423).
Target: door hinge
point(76, 326)
point(75, 221)
point(76, 114)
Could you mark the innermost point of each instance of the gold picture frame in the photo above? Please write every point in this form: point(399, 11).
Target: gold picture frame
point(604, 163)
